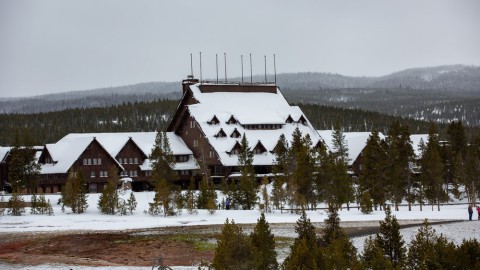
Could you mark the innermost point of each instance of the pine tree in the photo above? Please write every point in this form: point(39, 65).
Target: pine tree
point(337, 250)
point(247, 182)
point(131, 203)
point(281, 171)
point(162, 161)
point(265, 196)
point(16, 205)
point(468, 254)
point(263, 243)
point(390, 239)
point(373, 256)
point(431, 171)
point(207, 197)
point(303, 171)
point(421, 252)
point(74, 193)
point(108, 201)
point(190, 198)
point(23, 168)
point(400, 155)
point(304, 253)
point(372, 174)
point(33, 204)
point(234, 250)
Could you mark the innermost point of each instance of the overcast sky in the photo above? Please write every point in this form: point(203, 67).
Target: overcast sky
point(57, 46)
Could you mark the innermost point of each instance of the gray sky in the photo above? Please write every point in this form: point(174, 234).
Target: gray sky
point(57, 46)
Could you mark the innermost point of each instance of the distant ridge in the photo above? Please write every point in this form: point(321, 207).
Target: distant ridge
point(452, 79)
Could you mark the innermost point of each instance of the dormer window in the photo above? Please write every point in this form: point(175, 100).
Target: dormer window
point(220, 134)
point(235, 149)
point(232, 120)
point(235, 134)
point(214, 121)
point(289, 120)
point(302, 120)
point(259, 149)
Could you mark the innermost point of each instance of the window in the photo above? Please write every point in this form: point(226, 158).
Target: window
point(73, 174)
point(235, 152)
point(89, 161)
point(103, 173)
point(148, 173)
point(195, 143)
point(135, 160)
point(92, 174)
point(183, 172)
point(131, 160)
point(192, 124)
point(182, 158)
point(94, 161)
point(124, 173)
point(211, 154)
point(257, 151)
point(99, 161)
point(85, 162)
point(133, 173)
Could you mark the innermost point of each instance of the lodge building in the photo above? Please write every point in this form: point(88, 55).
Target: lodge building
point(205, 132)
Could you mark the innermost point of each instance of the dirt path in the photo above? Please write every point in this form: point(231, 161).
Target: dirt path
point(183, 245)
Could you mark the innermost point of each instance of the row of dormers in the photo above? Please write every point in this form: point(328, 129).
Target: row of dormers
point(232, 120)
point(257, 150)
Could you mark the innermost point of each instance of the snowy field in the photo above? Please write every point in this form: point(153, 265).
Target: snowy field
point(93, 220)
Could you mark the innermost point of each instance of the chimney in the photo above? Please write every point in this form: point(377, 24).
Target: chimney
point(187, 82)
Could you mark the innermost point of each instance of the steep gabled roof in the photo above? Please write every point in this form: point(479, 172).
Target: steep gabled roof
point(65, 152)
point(115, 141)
point(248, 107)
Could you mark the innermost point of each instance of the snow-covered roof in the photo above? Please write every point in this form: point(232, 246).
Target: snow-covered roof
point(64, 153)
point(114, 142)
point(248, 108)
point(4, 151)
point(416, 139)
point(356, 142)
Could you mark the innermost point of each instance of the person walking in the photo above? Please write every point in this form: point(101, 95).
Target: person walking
point(470, 212)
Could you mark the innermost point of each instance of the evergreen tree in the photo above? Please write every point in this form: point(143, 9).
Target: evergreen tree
point(304, 253)
point(190, 198)
point(400, 155)
point(340, 147)
point(390, 239)
point(247, 182)
point(337, 250)
point(372, 174)
point(207, 196)
point(131, 203)
point(16, 205)
point(302, 178)
point(234, 250)
point(33, 204)
point(468, 254)
point(162, 161)
point(431, 171)
point(281, 171)
point(263, 243)
point(74, 193)
point(23, 168)
point(373, 256)
point(421, 253)
point(108, 201)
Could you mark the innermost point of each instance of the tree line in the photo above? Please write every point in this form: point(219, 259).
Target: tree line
point(149, 116)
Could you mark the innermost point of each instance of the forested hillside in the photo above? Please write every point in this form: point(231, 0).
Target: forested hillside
point(441, 94)
point(149, 116)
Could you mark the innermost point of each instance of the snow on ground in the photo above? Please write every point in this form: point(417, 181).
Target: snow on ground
point(93, 220)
